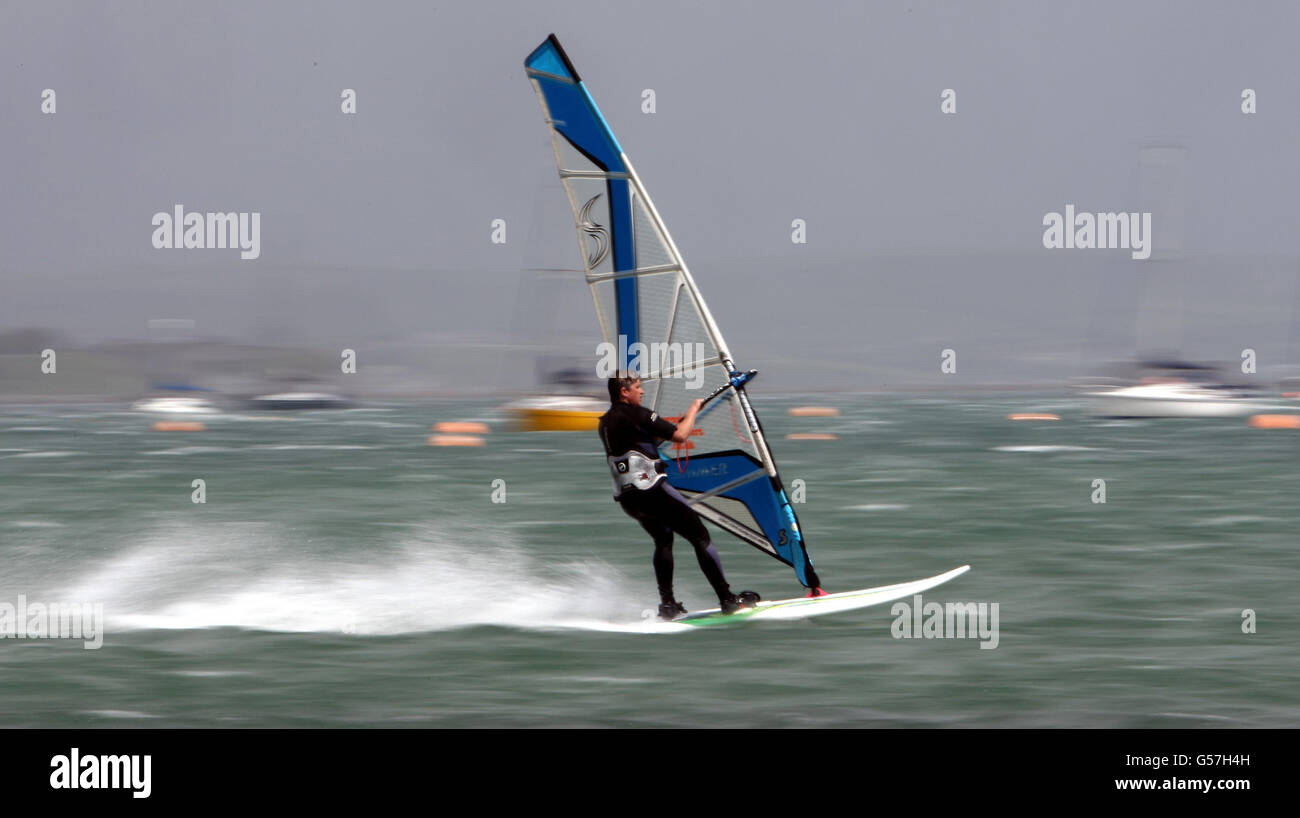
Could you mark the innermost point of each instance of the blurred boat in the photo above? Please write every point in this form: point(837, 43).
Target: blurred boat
point(1175, 389)
point(175, 405)
point(568, 402)
point(557, 413)
point(1171, 400)
point(282, 401)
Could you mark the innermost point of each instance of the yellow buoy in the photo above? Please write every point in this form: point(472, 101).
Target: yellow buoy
point(813, 412)
point(810, 436)
point(456, 440)
point(1032, 416)
point(178, 426)
point(1275, 421)
point(461, 427)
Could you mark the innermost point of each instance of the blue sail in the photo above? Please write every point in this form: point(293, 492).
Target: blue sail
point(652, 315)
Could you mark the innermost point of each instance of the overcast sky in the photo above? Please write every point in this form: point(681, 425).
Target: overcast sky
point(924, 229)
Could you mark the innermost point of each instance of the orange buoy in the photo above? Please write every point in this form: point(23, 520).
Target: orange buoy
point(177, 426)
point(810, 436)
point(456, 440)
point(1275, 421)
point(461, 427)
point(813, 412)
point(1032, 416)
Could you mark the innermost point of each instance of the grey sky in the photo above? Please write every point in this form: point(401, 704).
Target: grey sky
point(924, 229)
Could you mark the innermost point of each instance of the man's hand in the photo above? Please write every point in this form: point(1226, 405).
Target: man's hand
point(688, 423)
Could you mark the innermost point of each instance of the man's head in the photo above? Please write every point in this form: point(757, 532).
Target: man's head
point(625, 388)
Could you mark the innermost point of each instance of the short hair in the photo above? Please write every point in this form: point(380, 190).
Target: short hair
point(618, 383)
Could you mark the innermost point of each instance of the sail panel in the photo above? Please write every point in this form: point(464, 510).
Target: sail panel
point(651, 248)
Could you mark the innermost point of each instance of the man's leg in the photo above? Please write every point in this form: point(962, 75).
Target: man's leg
point(663, 544)
point(685, 521)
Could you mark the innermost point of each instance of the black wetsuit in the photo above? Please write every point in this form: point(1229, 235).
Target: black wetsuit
point(660, 510)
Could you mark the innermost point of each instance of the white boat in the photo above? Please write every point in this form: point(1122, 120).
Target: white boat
point(1177, 399)
point(175, 406)
point(1169, 388)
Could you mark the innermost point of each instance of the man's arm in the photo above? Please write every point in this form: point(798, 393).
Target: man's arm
point(688, 423)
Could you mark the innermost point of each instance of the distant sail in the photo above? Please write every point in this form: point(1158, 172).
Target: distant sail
point(645, 295)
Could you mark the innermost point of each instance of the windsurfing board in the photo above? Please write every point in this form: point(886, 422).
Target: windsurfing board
point(805, 607)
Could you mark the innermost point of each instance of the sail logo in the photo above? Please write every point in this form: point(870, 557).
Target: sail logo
point(1101, 231)
point(955, 620)
point(596, 232)
point(91, 772)
point(662, 360)
point(208, 231)
point(56, 620)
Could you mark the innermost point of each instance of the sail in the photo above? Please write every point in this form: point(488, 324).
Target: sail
point(656, 323)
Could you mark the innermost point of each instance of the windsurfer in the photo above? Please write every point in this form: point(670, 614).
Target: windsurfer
point(630, 432)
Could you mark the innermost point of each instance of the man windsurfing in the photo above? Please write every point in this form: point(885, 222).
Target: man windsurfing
point(630, 433)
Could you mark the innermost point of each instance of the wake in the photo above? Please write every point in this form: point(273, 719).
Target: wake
point(253, 576)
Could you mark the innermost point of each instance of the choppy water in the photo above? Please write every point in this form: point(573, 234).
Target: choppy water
point(344, 573)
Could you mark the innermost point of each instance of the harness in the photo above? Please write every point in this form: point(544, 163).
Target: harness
point(633, 470)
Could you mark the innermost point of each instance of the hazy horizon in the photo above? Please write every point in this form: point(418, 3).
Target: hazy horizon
point(924, 228)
